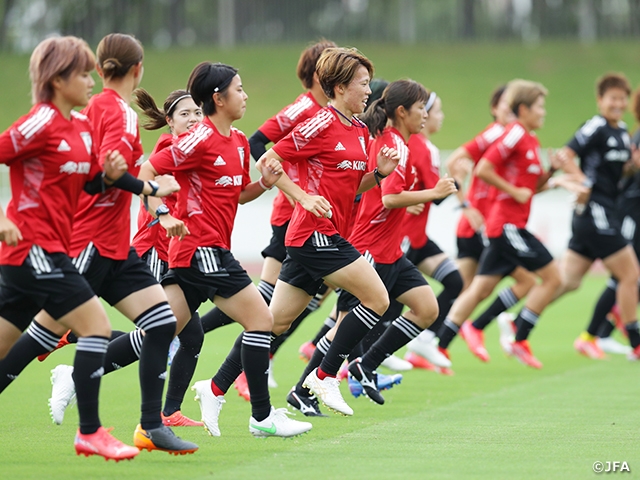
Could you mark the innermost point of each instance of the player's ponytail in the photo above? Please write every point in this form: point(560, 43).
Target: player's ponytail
point(117, 53)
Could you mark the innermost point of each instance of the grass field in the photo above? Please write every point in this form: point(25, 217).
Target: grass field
point(488, 421)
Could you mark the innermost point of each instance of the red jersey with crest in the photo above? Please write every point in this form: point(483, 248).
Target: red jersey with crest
point(378, 229)
point(275, 129)
point(105, 219)
point(154, 236)
point(50, 159)
point(212, 171)
point(516, 158)
point(332, 159)
point(426, 160)
point(478, 194)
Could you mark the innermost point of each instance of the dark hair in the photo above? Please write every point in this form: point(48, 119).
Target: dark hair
point(338, 66)
point(496, 95)
point(377, 86)
point(206, 79)
point(399, 93)
point(117, 53)
point(308, 59)
point(635, 105)
point(612, 80)
point(157, 118)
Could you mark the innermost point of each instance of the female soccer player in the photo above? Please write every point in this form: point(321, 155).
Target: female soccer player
point(51, 159)
point(331, 152)
point(211, 163)
point(603, 146)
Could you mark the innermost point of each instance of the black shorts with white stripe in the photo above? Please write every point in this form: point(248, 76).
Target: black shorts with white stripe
point(158, 267)
point(596, 233)
point(398, 278)
point(45, 281)
point(213, 272)
point(471, 247)
point(276, 248)
point(429, 249)
point(321, 255)
point(517, 247)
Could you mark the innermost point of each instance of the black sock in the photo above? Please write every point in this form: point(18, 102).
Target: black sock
point(184, 364)
point(372, 337)
point(527, 320)
point(88, 368)
point(355, 325)
point(606, 329)
point(266, 290)
point(35, 341)
point(213, 319)
point(400, 332)
point(159, 326)
point(634, 335)
point(505, 300)
point(447, 332)
point(314, 362)
point(328, 324)
point(231, 367)
point(255, 360)
point(604, 305)
point(123, 351)
point(71, 337)
point(448, 275)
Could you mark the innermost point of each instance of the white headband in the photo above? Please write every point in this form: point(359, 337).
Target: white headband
point(430, 101)
point(175, 102)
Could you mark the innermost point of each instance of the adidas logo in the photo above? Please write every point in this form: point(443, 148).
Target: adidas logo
point(611, 142)
point(11, 377)
point(163, 375)
point(530, 155)
point(98, 373)
point(339, 147)
point(64, 146)
point(219, 162)
point(116, 366)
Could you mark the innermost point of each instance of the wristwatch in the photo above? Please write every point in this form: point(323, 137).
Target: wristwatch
point(162, 210)
point(154, 187)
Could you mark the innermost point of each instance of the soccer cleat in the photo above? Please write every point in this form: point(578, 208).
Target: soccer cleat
point(307, 404)
point(396, 364)
point(586, 345)
point(173, 349)
point(63, 392)
point(385, 382)
point(422, 363)
point(474, 339)
point(616, 319)
point(177, 419)
point(328, 391)
point(634, 355)
point(343, 373)
point(368, 380)
point(429, 350)
point(507, 329)
point(210, 406)
point(163, 439)
point(306, 351)
point(271, 381)
point(522, 351)
point(242, 387)
point(64, 340)
point(611, 345)
point(278, 424)
point(102, 443)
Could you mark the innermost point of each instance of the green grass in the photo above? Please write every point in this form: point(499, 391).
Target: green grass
point(488, 421)
point(462, 74)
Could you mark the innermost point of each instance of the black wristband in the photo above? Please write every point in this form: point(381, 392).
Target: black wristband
point(378, 176)
point(129, 183)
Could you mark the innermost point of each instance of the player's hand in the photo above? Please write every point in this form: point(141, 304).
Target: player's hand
point(167, 185)
point(114, 165)
point(173, 226)
point(445, 187)
point(415, 209)
point(387, 159)
point(522, 194)
point(317, 205)
point(475, 218)
point(9, 233)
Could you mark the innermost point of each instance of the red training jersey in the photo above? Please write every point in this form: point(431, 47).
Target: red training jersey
point(378, 229)
point(105, 219)
point(478, 192)
point(426, 160)
point(275, 129)
point(332, 159)
point(50, 159)
point(212, 171)
point(516, 158)
point(154, 236)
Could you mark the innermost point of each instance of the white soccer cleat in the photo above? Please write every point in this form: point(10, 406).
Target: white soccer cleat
point(328, 391)
point(210, 406)
point(271, 381)
point(611, 345)
point(396, 364)
point(507, 331)
point(278, 424)
point(429, 350)
point(63, 392)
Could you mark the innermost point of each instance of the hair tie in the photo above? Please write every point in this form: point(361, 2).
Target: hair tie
point(430, 101)
point(175, 102)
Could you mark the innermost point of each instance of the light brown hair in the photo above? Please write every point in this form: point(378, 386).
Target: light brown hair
point(117, 53)
point(308, 59)
point(338, 66)
point(523, 92)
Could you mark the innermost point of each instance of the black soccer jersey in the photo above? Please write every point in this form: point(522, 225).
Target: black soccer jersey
point(603, 151)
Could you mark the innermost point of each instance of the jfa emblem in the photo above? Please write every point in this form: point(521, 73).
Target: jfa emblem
point(241, 155)
point(363, 145)
point(88, 142)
